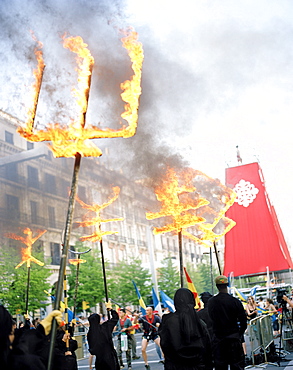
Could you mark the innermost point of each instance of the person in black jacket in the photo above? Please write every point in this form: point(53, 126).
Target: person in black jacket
point(229, 324)
point(100, 340)
point(184, 338)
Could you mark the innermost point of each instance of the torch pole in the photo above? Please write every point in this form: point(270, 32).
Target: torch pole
point(180, 257)
point(217, 257)
point(76, 287)
point(28, 286)
point(104, 274)
point(211, 270)
point(64, 255)
point(66, 310)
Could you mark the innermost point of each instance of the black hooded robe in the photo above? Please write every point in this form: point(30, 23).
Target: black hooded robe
point(101, 343)
point(184, 339)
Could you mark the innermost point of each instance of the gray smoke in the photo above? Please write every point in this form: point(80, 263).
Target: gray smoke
point(163, 115)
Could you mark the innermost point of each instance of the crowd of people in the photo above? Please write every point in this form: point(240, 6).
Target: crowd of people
point(188, 339)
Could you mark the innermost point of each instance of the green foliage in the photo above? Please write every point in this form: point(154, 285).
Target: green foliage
point(13, 282)
point(90, 280)
point(168, 277)
point(122, 289)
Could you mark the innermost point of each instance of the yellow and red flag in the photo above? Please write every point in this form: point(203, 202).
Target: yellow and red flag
point(191, 287)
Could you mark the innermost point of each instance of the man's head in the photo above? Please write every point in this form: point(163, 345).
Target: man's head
point(122, 313)
point(222, 283)
point(149, 311)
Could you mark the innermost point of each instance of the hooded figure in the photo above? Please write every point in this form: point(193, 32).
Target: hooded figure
point(27, 349)
point(184, 338)
point(100, 342)
point(5, 332)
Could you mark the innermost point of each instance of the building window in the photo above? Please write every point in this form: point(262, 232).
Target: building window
point(12, 203)
point(11, 172)
point(55, 253)
point(9, 137)
point(34, 212)
point(33, 177)
point(65, 190)
point(50, 183)
point(51, 213)
point(29, 145)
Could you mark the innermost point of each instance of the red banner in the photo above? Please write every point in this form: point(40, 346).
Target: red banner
point(256, 242)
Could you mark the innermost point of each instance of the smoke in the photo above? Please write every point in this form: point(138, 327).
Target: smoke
point(163, 115)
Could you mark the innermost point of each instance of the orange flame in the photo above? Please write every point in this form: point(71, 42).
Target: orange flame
point(97, 221)
point(186, 206)
point(67, 141)
point(76, 261)
point(178, 209)
point(28, 240)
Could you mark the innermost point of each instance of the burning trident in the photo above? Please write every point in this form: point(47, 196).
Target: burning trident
point(27, 257)
point(98, 233)
point(74, 140)
point(183, 205)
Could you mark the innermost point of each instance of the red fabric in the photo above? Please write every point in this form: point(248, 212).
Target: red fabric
point(256, 241)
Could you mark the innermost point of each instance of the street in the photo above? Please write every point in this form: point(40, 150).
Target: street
point(153, 358)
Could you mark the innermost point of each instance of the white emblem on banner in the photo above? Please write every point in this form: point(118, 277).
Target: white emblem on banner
point(246, 193)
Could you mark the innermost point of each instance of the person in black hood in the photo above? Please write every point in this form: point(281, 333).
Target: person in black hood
point(24, 349)
point(184, 338)
point(6, 324)
point(100, 340)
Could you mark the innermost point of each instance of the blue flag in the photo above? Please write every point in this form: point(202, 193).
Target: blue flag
point(253, 290)
point(156, 302)
point(167, 301)
point(140, 300)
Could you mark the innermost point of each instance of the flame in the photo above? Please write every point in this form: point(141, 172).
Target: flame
point(67, 141)
point(186, 206)
point(179, 209)
point(38, 74)
point(76, 261)
point(97, 221)
point(28, 240)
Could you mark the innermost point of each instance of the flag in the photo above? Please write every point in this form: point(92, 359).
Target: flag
point(253, 290)
point(240, 295)
point(140, 300)
point(167, 301)
point(156, 302)
point(62, 306)
point(191, 287)
point(69, 312)
point(261, 310)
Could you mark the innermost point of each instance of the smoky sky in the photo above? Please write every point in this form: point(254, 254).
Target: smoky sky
point(187, 75)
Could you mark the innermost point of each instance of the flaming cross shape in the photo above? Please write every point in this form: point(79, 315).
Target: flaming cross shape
point(28, 240)
point(97, 221)
point(66, 142)
point(178, 209)
point(180, 206)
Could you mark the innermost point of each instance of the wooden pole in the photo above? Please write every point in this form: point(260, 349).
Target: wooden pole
point(180, 259)
point(64, 254)
point(217, 257)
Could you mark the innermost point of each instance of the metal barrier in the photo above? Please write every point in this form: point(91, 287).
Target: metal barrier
point(261, 336)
